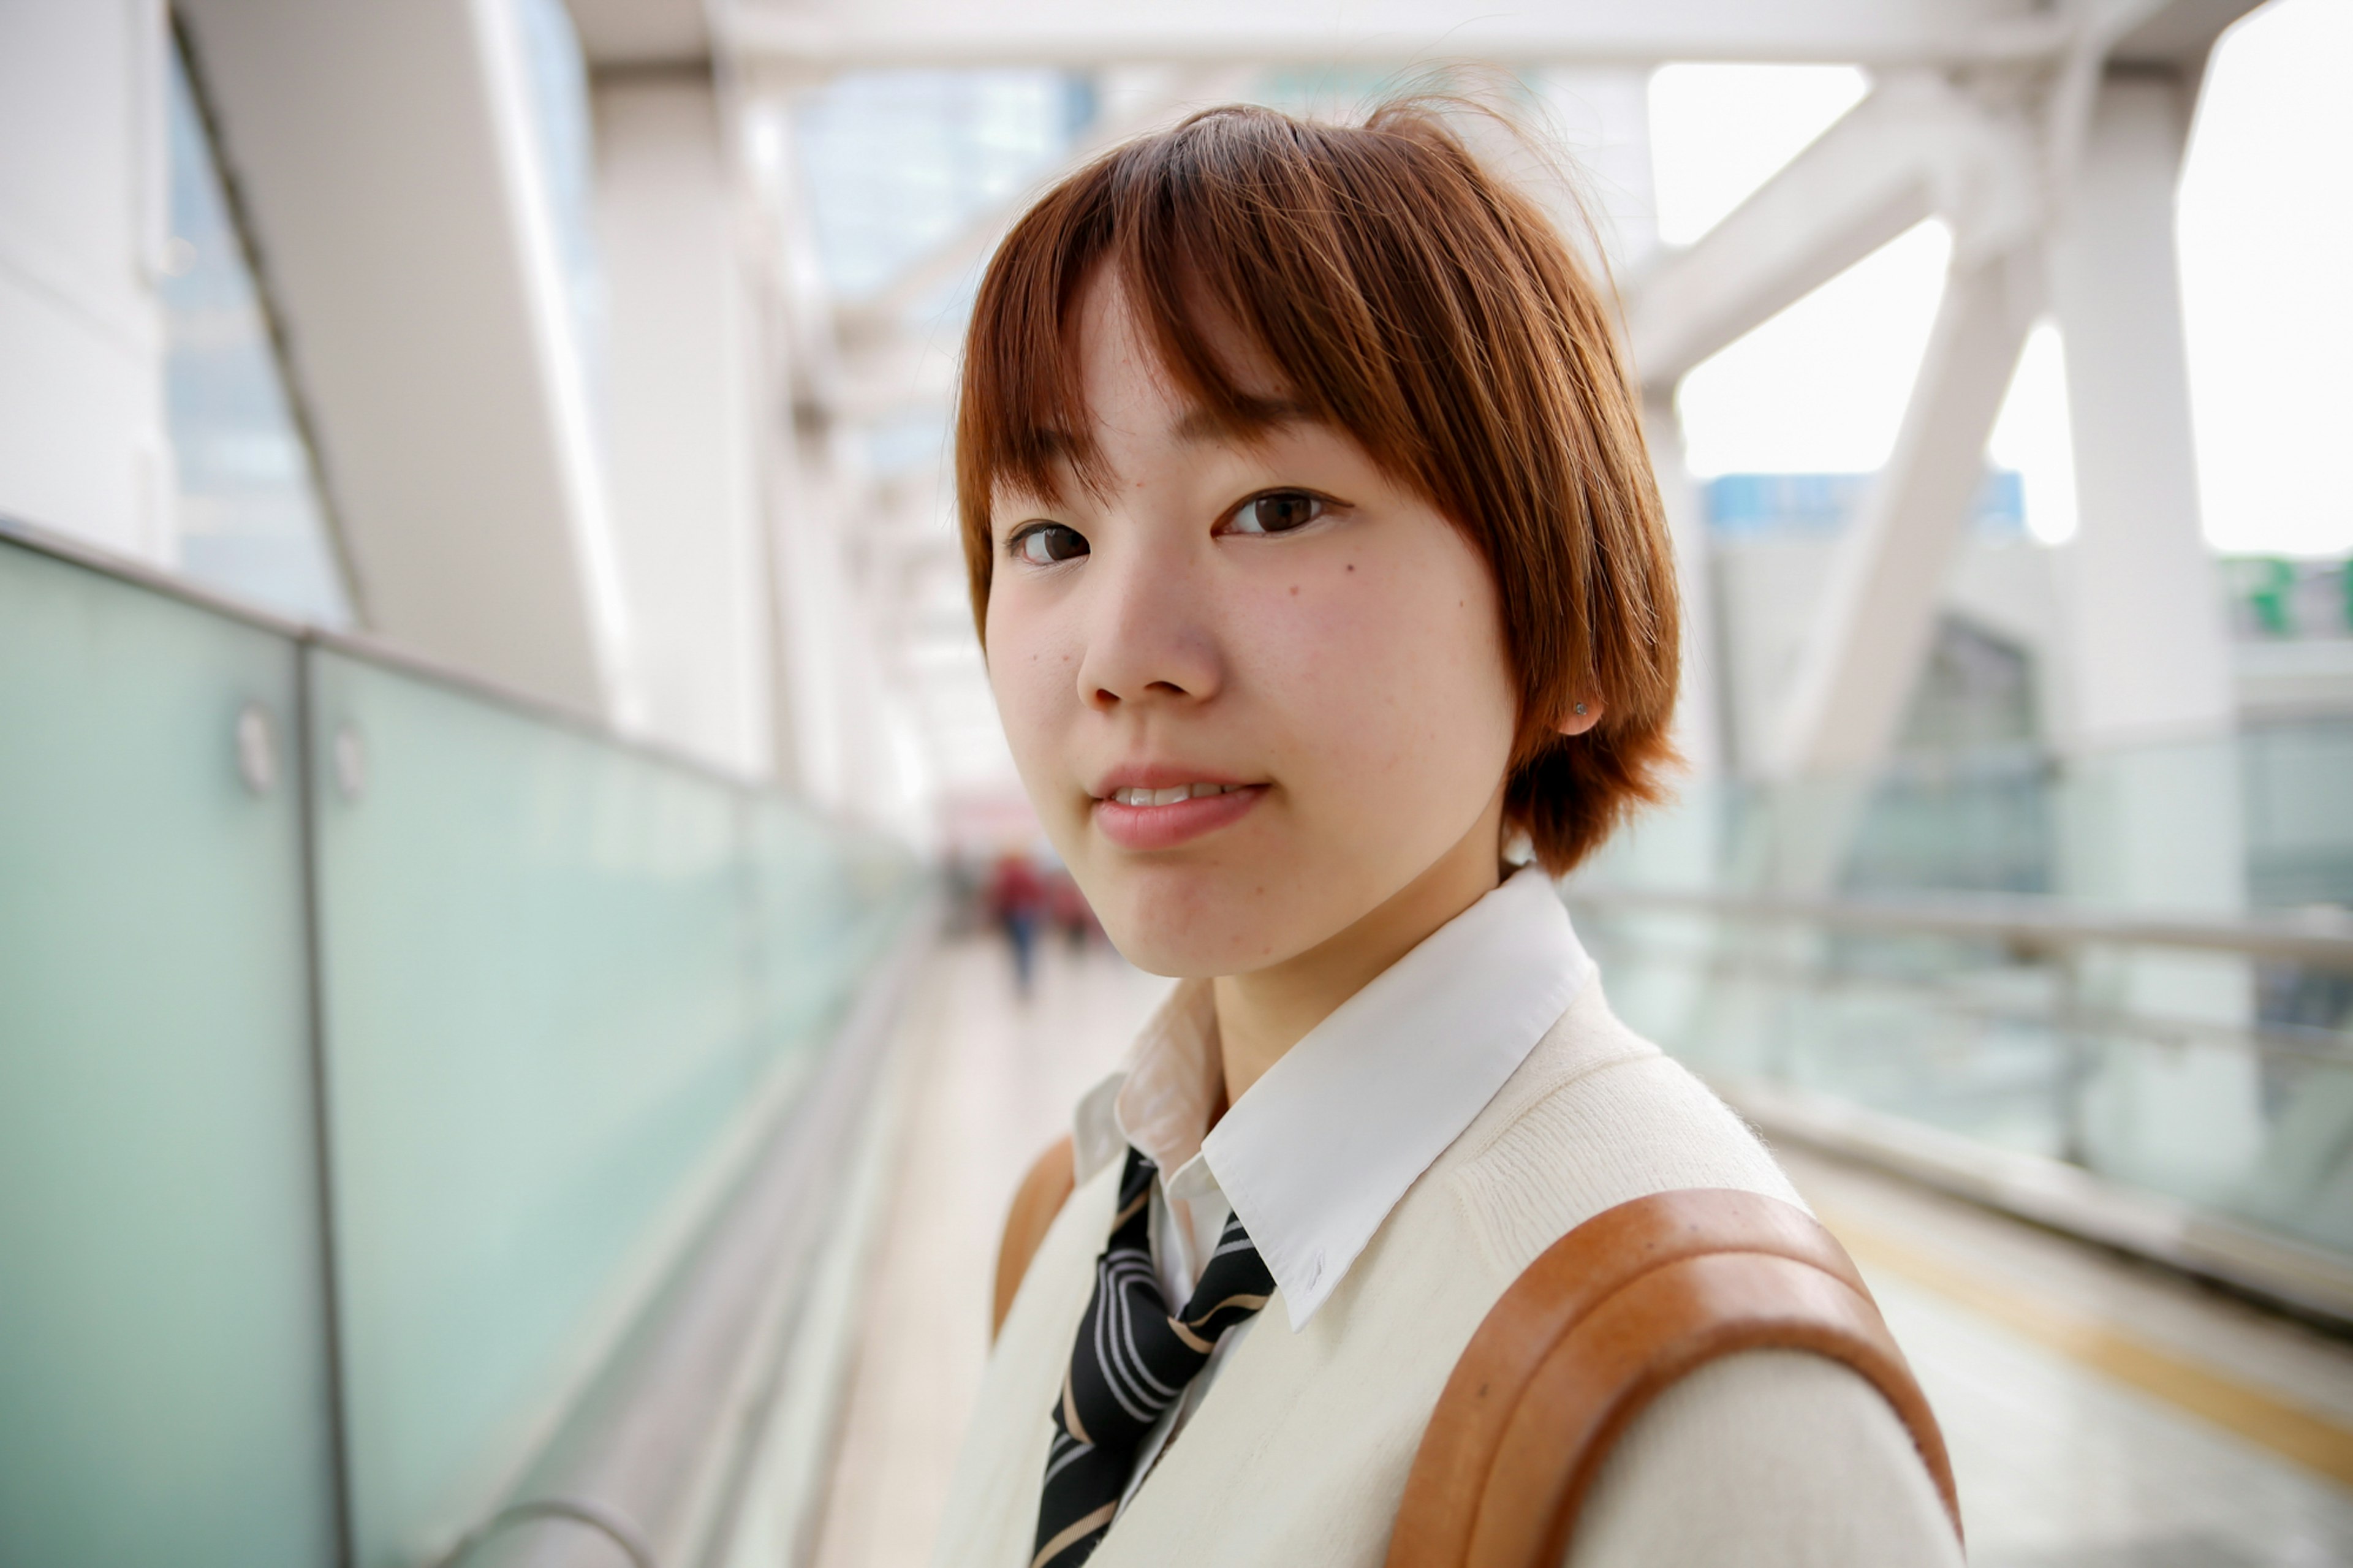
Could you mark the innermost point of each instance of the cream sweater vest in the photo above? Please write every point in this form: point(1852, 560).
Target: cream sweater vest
point(1300, 1451)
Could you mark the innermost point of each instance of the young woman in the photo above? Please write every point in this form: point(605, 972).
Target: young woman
point(1321, 569)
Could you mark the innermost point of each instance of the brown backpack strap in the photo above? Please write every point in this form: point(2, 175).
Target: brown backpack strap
point(1608, 1318)
point(1040, 1197)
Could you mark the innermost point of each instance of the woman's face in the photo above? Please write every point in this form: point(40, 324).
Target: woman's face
point(1256, 688)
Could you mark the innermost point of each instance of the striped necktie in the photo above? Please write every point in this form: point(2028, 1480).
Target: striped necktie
point(1132, 1362)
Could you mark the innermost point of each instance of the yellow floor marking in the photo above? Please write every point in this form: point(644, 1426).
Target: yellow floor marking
point(2287, 1430)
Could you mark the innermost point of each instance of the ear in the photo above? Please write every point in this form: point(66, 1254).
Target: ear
point(1580, 717)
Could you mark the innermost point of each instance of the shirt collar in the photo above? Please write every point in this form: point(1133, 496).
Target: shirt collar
point(1162, 1099)
point(1322, 1146)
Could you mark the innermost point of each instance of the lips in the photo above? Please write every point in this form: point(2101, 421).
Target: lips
point(1159, 814)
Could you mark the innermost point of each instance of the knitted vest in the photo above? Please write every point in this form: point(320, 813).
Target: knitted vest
point(1300, 1452)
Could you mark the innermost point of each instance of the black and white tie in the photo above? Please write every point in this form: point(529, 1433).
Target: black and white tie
point(1132, 1362)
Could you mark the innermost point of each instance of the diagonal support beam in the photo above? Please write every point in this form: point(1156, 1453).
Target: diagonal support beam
point(1878, 608)
point(1916, 148)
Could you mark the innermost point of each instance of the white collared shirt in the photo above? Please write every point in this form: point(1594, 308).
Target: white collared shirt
point(1323, 1145)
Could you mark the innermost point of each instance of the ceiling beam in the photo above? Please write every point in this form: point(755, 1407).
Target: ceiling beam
point(386, 157)
point(635, 34)
point(849, 34)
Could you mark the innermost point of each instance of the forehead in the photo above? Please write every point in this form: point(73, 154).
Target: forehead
point(1116, 343)
point(1128, 391)
point(1125, 383)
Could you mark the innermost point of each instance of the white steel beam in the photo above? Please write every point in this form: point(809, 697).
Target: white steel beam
point(841, 35)
point(2001, 176)
point(682, 425)
point(1858, 668)
point(1914, 148)
point(1699, 715)
point(2150, 657)
point(623, 35)
point(2156, 820)
point(847, 34)
point(390, 165)
point(2176, 36)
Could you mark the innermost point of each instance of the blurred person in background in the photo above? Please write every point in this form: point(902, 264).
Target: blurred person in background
point(1331, 612)
point(1017, 902)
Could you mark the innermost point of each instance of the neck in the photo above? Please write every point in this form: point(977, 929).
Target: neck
point(1263, 1014)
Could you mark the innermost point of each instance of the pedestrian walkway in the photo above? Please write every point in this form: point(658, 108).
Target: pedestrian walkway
point(2101, 1412)
point(993, 1085)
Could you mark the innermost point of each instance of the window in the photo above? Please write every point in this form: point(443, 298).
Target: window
point(250, 518)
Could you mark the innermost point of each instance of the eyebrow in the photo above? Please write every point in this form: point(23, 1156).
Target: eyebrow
point(1249, 415)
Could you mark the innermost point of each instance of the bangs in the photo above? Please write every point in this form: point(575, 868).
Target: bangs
point(1243, 228)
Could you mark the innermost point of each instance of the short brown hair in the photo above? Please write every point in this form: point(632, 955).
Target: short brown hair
point(1428, 309)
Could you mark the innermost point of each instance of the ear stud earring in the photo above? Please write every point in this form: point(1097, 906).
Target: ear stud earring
point(1580, 708)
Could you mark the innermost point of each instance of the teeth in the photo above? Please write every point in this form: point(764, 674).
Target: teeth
point(1170, 795)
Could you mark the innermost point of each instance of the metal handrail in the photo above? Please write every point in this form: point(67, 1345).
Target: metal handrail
point(2284, 1041)
point(369, 648)
point(2317, 939)
point(648, 1454)
point(2067, 1191)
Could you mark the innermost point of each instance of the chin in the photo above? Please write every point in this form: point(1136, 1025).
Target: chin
point(1190, 922)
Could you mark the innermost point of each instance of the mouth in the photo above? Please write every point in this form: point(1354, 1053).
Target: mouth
point(1140, 794)
point(1162, 816)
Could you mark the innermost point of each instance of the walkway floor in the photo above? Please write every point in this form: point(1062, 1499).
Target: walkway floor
point(996, 1085)
point(2102, 1414)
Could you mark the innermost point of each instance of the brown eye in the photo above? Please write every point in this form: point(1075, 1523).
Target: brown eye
point(1278, 511)
point(1044, 543)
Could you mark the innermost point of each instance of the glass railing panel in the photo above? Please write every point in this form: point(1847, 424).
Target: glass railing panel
point(2118, 1061)
point(2301, 1182)
point(2295, 781)
point(828, 900)
point(2212, 1076)
point(163, 1370)
point(2253, 821)
point(807, 928)
point(1921, 1027)
point(543, 1048)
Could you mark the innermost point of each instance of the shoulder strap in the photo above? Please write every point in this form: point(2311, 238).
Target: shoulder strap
point(1600, 1325)
point(1040, 1197)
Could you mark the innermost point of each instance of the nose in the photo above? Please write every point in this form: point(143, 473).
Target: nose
point(1150, 642)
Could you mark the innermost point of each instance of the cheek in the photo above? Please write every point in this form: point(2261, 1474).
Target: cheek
point(1030, 675)
point(1396, 670)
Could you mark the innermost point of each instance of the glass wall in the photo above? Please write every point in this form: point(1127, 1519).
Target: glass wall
point(325, 980)
point(164, 1388)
